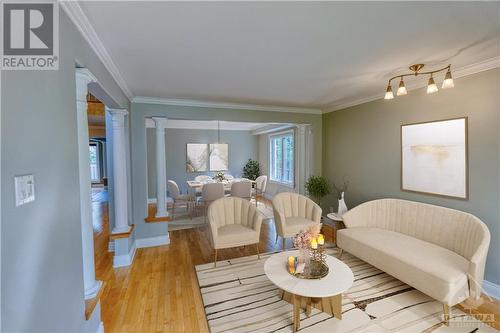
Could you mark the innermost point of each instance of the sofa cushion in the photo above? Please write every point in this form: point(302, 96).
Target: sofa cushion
point(434, 270)
point(232, 235)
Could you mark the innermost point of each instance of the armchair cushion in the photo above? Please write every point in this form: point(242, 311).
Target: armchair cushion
point(295, 224)
point(232, 235)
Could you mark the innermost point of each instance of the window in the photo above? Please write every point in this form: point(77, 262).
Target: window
point(281, 148)
point(94, 163)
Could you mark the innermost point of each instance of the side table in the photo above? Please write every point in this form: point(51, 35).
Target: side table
point(330, 228)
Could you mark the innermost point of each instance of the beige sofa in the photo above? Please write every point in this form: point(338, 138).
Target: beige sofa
point(437, 250)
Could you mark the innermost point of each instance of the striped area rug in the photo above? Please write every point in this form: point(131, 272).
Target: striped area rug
point(238, 297)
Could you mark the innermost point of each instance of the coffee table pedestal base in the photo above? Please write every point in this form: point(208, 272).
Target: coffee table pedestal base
point(331, 305)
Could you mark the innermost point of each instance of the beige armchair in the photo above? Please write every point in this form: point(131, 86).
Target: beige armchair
point(292, 213)
point(233, 222)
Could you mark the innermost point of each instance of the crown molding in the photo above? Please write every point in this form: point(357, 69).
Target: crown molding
point(78, 17)
point(221, 105)
point(457, 73)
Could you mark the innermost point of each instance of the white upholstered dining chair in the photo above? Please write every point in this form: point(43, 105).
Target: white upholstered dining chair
point(260, 187)
point(242, 189)
point(177, 197)
point(294, 213)
point(234, 222)
point(209, 193)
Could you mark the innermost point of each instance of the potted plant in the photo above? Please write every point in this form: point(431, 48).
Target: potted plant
point(317, 187)
point(251, 170)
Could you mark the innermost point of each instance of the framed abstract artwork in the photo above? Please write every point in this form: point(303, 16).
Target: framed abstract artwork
point(434, 158)
point(196, 157)
point(219, 157)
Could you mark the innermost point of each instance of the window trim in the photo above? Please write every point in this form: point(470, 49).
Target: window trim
point(98, 163)
point(270, 137)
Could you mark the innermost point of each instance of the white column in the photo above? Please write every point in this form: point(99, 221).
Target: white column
point(304, 154)
point(91, 285)
point(161, 168)
point(120, 191)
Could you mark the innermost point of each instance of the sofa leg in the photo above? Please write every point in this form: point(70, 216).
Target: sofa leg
point(215, 258)
point(340, 254)
point(446, 314)
point(258, 253)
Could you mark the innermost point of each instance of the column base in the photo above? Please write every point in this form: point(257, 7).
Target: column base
point(121, 230)
point(93, 290)
point(161, 214)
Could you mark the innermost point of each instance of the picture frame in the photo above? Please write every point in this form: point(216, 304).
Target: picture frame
point(219, 157)
point(434, 158)
point(196, 157)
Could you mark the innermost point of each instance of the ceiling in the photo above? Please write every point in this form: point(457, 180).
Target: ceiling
point(313, 55)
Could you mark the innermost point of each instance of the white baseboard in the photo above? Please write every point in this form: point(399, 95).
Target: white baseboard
point(100, 329)
point(491, 289)
point(125, 259)
point(152, 241)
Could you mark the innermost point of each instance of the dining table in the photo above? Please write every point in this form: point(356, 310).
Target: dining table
point(195, 186)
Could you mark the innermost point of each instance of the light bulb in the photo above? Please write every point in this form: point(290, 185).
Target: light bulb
point(388, 92)
point(431, 86)
point(448, 81)
point(402, 89)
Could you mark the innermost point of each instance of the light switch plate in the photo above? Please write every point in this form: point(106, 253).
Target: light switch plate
point(25, 189)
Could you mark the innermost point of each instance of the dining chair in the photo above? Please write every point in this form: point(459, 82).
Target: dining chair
point(176, 195)
point(233, 222)
point(294, 213)
point(209, 193)
point(242, 189)
point(260, 187)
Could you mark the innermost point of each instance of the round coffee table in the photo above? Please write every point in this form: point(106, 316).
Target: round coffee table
point(326, 293)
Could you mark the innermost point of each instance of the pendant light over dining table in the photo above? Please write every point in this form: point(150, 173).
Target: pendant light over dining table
point(431, 84)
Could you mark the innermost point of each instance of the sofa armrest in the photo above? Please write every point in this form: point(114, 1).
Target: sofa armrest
point(477, 266)
point(257, 222)
point(358, 216)
point(279, 221)
point(213, 228)
point(316, 214)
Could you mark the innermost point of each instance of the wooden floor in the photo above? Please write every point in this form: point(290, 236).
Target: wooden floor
point(159, 292)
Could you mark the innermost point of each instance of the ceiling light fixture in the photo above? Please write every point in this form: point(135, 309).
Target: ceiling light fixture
point(402, 89)
point(431, 85)
point(388, 92)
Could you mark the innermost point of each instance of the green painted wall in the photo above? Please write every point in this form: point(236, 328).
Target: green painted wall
point(362, 144)
point(139, 111)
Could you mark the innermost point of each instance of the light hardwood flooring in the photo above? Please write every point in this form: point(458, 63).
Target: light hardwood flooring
point(159, 291)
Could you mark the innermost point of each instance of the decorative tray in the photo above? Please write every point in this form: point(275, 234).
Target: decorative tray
point(315, 270)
